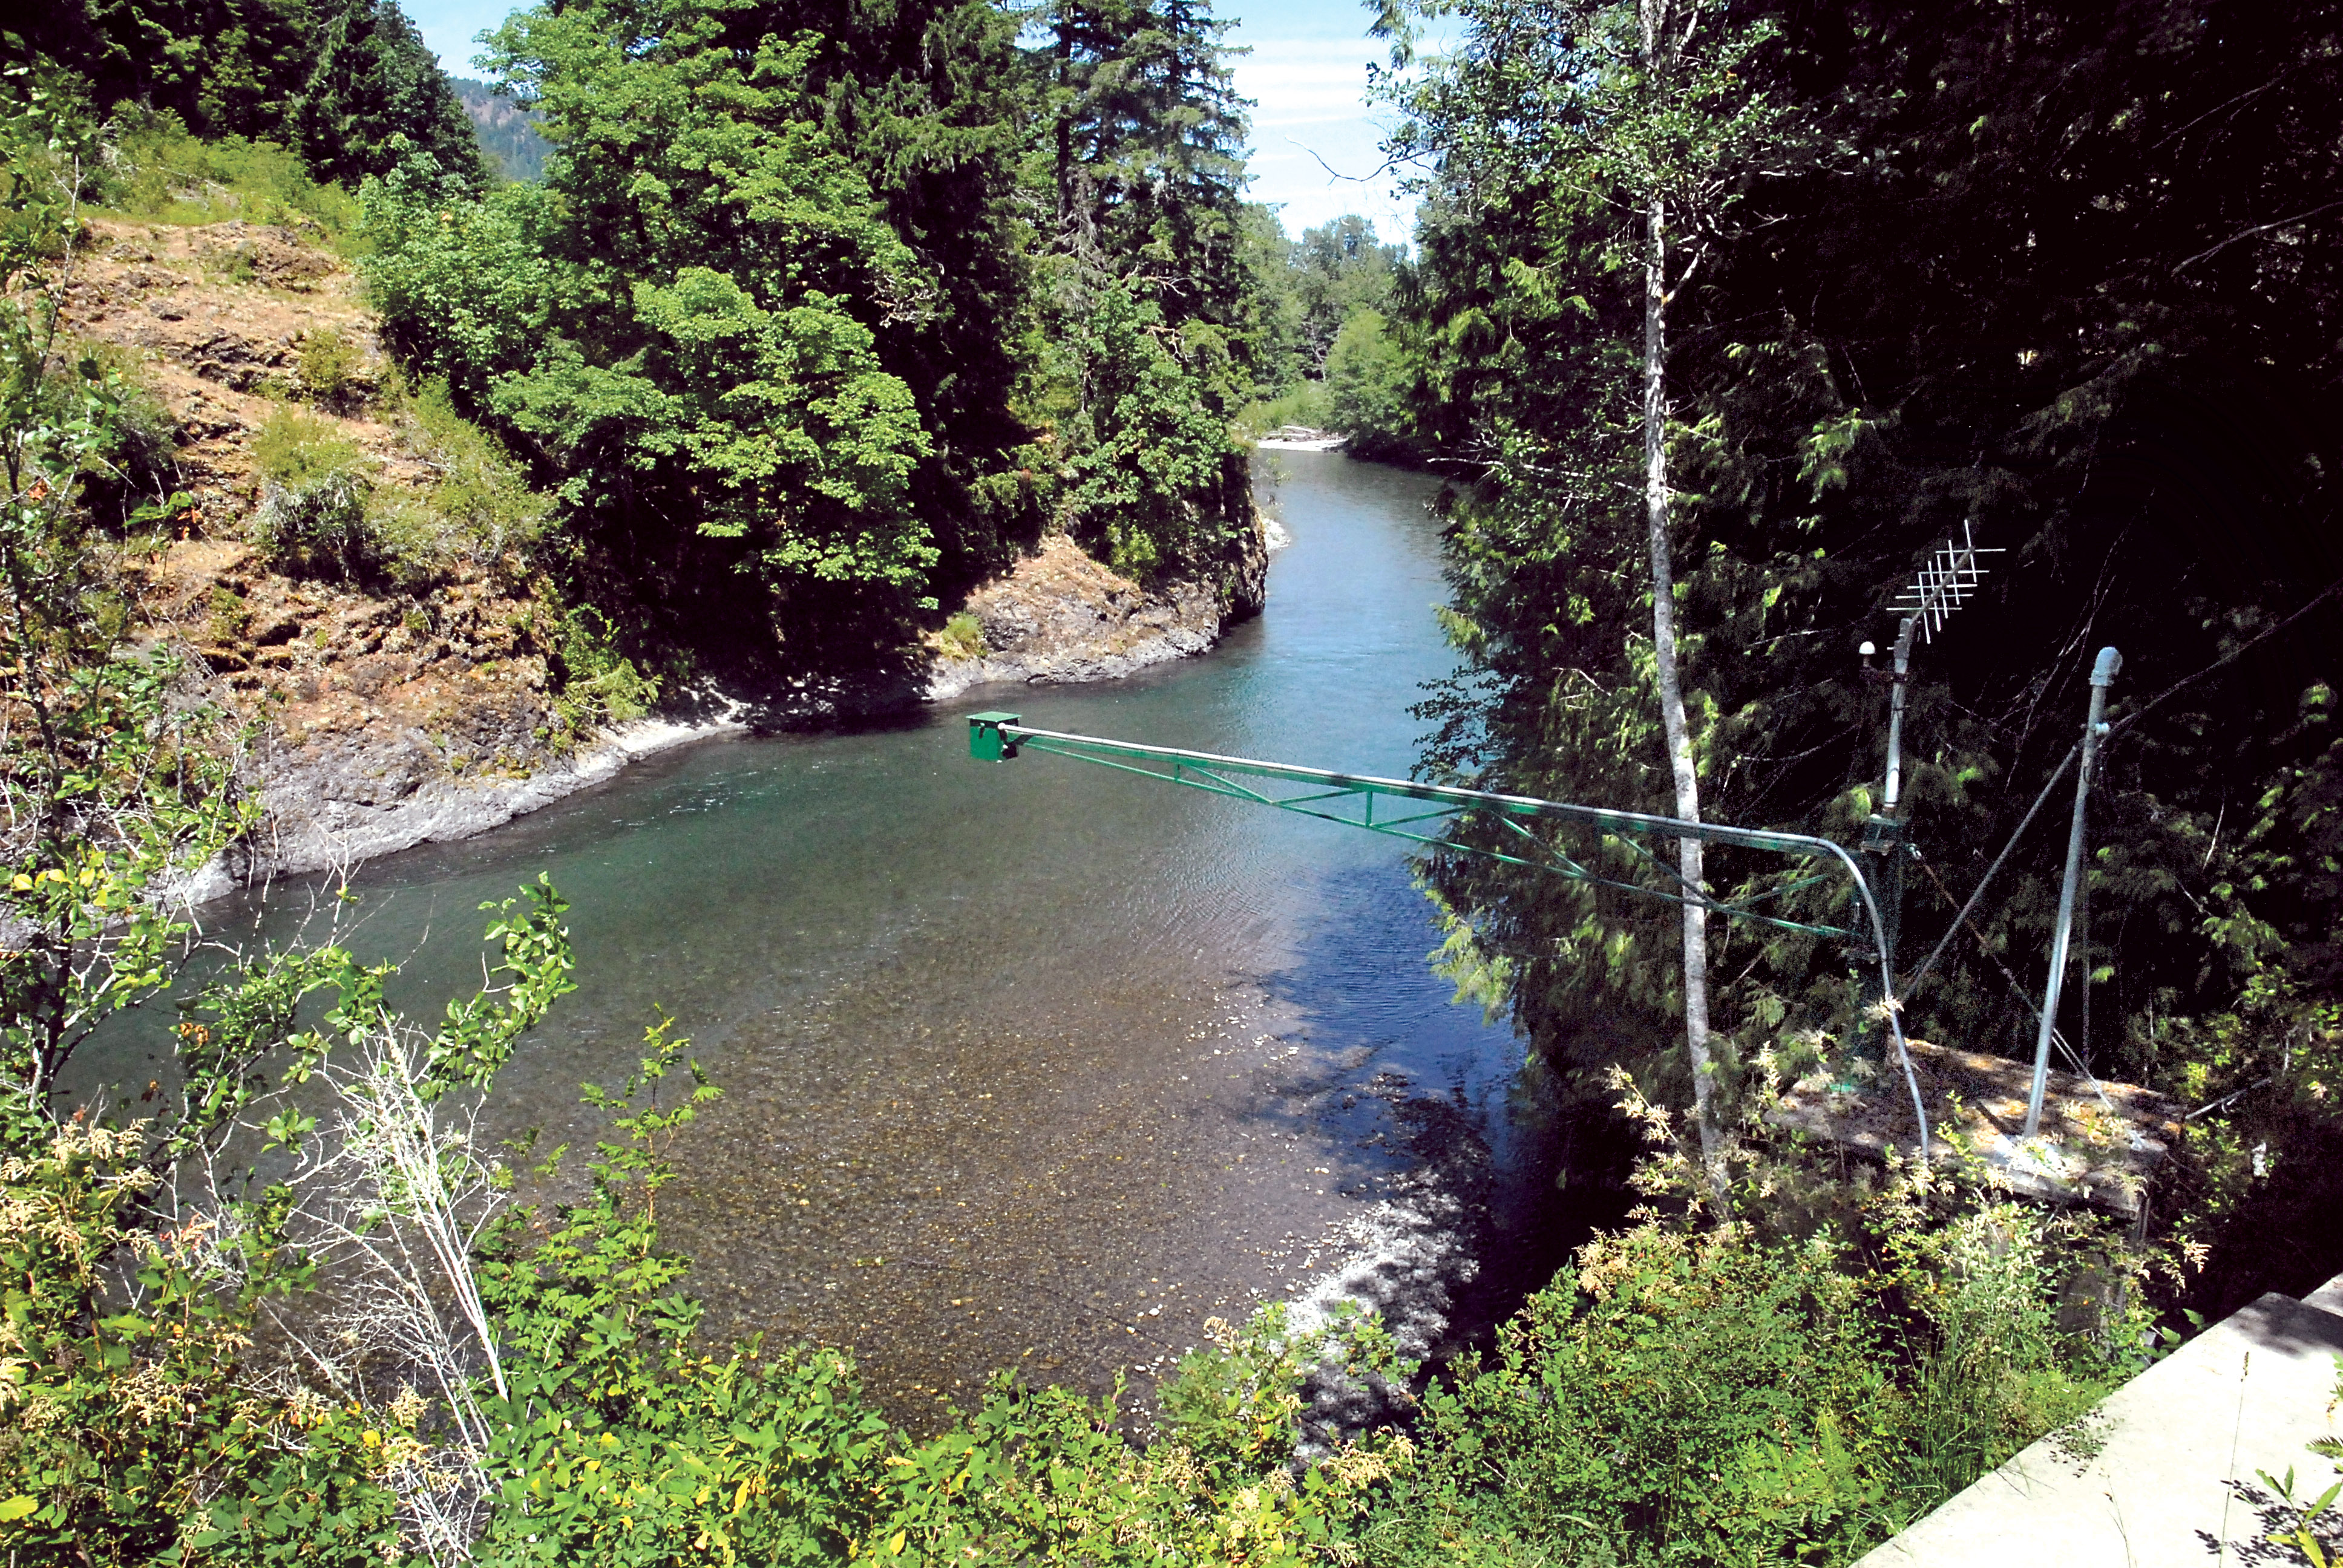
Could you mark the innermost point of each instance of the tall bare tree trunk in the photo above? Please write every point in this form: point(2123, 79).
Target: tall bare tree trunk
point(1656, 53)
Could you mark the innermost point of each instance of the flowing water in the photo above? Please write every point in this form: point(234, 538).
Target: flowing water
point(1033, 1063)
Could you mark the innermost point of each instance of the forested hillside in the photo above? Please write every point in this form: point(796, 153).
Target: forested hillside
point(507, 133)
point(2062, 279)
point(316, 435)
point(335, 82)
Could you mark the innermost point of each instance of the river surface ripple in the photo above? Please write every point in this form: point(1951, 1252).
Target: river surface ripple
point(1033, 1064)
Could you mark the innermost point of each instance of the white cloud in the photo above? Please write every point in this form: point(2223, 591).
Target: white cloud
point(1309, 95)
point(1311, 105)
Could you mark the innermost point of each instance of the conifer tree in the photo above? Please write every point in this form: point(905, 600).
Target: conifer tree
point(374, 79)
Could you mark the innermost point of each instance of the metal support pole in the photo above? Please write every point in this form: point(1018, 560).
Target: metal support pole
point(1896, 717)
point(1884, 845)
point(2103, 674)
point(998, 737)
point(1884, 839)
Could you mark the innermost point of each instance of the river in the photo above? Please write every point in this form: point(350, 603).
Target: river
point(1032, 1064)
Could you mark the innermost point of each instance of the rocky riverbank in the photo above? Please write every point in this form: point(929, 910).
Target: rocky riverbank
point(402, 750)
point(388, 717)
point(1062, 617)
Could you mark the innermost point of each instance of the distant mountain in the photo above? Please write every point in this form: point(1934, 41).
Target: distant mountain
point(507, 132)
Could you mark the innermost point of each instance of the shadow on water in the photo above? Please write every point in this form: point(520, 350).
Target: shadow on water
point(1451, 1131)
point(1030, 1064)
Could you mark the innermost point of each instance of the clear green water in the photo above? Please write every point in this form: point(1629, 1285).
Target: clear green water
point(1030, 1063)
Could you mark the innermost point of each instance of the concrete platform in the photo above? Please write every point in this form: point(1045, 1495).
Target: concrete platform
point(2098, 1146)
point(2148, 1480)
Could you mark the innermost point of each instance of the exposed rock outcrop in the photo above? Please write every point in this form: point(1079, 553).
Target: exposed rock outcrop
point(1060, 617)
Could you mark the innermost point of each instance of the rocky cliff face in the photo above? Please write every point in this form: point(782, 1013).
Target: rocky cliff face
point(1060, 617)
point(388, 718)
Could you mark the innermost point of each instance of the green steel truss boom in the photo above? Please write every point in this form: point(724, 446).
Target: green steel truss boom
point(1401, 809)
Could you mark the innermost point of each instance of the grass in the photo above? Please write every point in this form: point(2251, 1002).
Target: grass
point(324, 513)
point(296, 448)
point(329, 368)
point(166, 174)
point(963, 637)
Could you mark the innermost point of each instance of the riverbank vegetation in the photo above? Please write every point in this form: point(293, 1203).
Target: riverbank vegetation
point(811, 317)
point(2045, 278)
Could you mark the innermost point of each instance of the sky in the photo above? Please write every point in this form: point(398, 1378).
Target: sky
point(1307, 74)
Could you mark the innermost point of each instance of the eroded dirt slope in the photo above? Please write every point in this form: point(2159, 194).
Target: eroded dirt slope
point(384, 711)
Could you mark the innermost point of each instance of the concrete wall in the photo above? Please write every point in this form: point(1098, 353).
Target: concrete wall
point(2163, 1475)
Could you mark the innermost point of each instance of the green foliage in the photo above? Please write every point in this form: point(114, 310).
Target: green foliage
point(749, 392)
point(1303, 404)
point(1153, 290)
point(336, 80)
point(1040, 1474)
point(1792, 1381)
point(2304, 1533)
point(832, 485)
point(328, 365)
point(322, 513)
point(477, 509)
point(374, 82)
point(294, 449)
point(1153, 468)
point(228, 72)
point(1673, 1398)
point(130, 1433)
point(44, 153)
point(1336, 272)
point(709, 313)
point(963, 637)
point(128, 488)
point(721, 319)
point(599, 685)
point(312, 514)
point(1826, 428)
point(116, 788)
point(1366, 384)
point(316, 524)
point(143, 1427)
point(1342, 366)
point(165, 174)
point(616, 1443)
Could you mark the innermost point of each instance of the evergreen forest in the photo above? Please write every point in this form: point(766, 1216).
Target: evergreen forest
point(739, 340)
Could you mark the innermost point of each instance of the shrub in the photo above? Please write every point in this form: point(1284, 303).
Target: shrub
point(598, 685)
point(294, 448)
point(317, 528)
point(1673, 1396)
point(329, 369)
point(1366, 379)
point(130, 475)
point(963, 637)
point(322, 515)
point(480, 490)
point(317, 516)
point(134, 1437)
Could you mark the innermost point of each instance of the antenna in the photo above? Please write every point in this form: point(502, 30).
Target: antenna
point(1944, 583)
